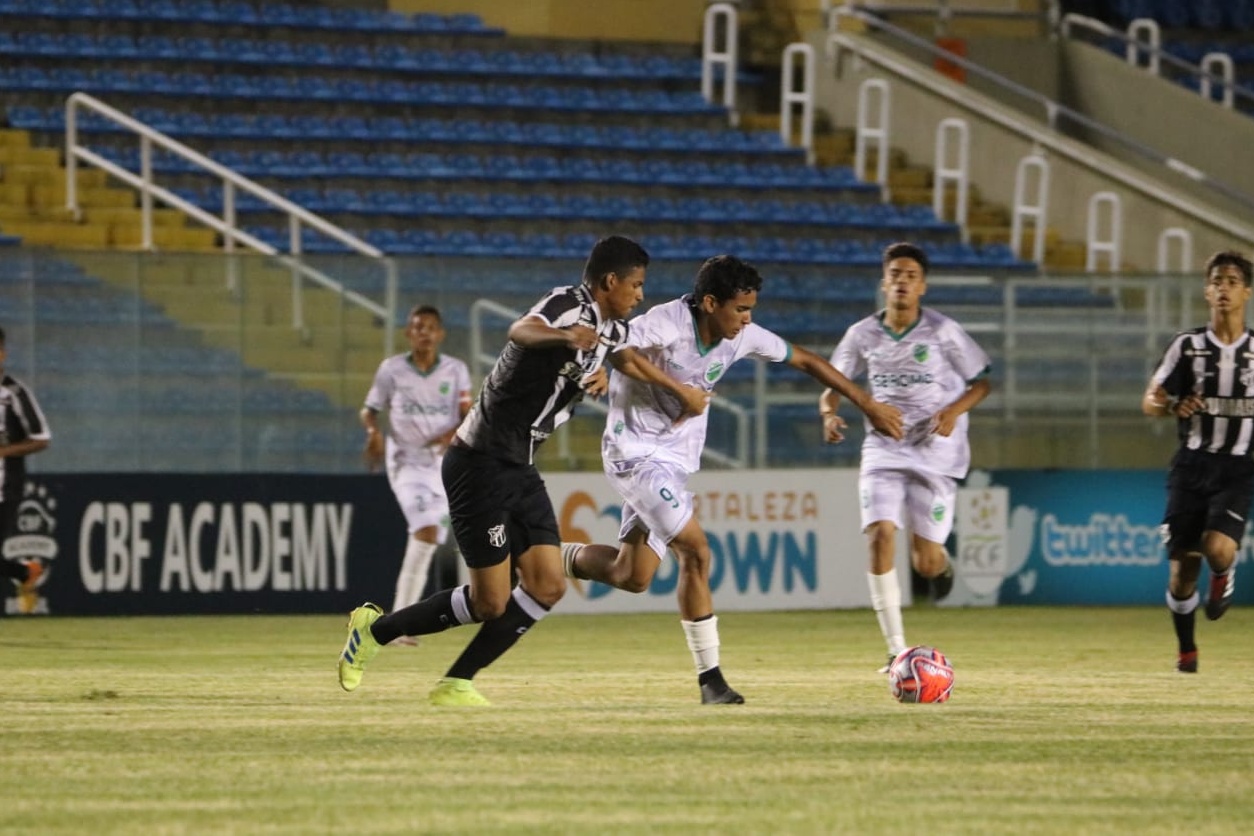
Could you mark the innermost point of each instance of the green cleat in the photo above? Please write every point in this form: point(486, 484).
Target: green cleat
point(450, 691)
point(360, 647)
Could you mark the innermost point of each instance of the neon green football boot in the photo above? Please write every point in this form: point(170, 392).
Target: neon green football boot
point(450, 691)
point(360, 647)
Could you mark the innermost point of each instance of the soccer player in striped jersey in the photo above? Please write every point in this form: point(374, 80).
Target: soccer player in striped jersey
point(426, 395)
point(925, 364)
point(502, 515)
point(1206, 382)
point(649, 455)
point(23, 431)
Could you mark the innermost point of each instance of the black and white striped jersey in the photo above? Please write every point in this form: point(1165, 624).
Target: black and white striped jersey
point(1196, 362)
point(22, 420)
point(530, 392)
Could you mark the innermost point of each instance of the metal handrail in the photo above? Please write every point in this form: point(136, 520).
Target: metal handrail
point(1046, 137)
point(232, 234)
point(1084, 22)
point(479, 359)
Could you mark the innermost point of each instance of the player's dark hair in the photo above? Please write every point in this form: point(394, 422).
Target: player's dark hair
point(1224, 258)
point(724, 277)
point(613, 254)
point(425, 310)
point(903, 249)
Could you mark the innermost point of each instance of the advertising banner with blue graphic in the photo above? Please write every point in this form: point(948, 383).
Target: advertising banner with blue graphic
point(1072, 537)
point(781, 539)
point(161, 544)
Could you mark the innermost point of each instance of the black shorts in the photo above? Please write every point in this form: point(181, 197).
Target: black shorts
point(498, 509)
point(1206, 492)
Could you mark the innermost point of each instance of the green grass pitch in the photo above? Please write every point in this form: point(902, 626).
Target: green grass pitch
point(1062, 721)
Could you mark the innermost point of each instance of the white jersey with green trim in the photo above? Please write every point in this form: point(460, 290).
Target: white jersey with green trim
point(421, 406)
point(920, 372)
point(641, 421)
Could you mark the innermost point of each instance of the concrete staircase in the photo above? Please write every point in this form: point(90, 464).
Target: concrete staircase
point(335, 352)
point(32, 206)
point(987, 223)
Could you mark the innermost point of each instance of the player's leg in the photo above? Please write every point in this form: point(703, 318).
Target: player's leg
point(533, 534)
point(420, 494)
point(882, 495)
point(696, 612)
point(1225, 526)
point(481, 495)
point(930, 502)
point(1182, 527)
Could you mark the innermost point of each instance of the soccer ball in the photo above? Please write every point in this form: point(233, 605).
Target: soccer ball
point(921, 674)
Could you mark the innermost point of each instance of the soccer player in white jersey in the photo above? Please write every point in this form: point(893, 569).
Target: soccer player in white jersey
point(426, 395)
point(648, 455)
point(927, 366)
point(1206, 382)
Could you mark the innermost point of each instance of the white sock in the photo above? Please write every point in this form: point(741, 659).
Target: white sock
point(569, 550)
point(1184, 607)
point(413, 577)
point(886, 599)
point(703, 642)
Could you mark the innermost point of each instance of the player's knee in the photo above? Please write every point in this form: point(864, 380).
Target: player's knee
point(487, 609)
point(930, 560)
point(546, 590)
point(694, 561)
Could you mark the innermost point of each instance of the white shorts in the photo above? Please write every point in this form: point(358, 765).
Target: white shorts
point(420, 493)
point(655, 499)
point(920, 501)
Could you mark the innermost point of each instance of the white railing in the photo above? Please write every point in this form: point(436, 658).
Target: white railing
point(945, 11)
point(1216, 68)
point(226, 226)
point(1043, 136)
point(726, 56)
point(482, 360)
point(790, 95)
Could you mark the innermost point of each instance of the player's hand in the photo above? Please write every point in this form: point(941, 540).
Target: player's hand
point(943, 423)
point(596, 384)
point(1189, 405)
point(694, 400)
point(374, 450)
point(580, 337)
point(886, 419)
point(833, 429)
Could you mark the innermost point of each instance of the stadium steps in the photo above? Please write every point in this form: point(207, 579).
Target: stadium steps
point(987, 223)
point(32, 205)
point(336, 352)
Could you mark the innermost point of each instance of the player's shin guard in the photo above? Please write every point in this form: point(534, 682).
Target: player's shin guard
point(886, 601)
point(499, 635)
point(445, 609)
point(702, 636)
point(1184, 617)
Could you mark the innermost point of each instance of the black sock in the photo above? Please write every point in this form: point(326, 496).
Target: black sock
point(499, 635)
point(1184, 623)
point(713, 676)
point(430, 615)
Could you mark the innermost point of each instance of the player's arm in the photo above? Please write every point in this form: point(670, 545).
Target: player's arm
point(884, 417)
point(636, 366)
point(24, 448)
point(1157, 402)
point(532, 331)
point(374, 450)
point(977, 390)
point(833, 425)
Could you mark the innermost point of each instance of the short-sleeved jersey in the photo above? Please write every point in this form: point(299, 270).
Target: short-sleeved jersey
point(530, 392)
point(920, 372)
point(421, 406)
point(22, 420)
point(641, 422)
point(1196, 362)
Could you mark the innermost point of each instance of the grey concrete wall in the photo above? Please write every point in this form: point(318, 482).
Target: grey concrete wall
point(996, 151)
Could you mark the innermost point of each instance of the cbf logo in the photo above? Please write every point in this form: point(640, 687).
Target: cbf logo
point(920, 353)
point(33, 543)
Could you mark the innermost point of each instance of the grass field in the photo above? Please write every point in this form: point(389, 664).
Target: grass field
point(1062, 721)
